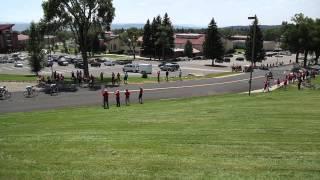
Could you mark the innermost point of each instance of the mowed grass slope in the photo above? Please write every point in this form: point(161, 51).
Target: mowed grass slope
point(268, 136)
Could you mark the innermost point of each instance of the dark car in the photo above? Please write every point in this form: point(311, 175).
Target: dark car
point(227, 60)
point(240, 59)
point(79, 64)
point(162, 64)
point(123, 62)
point(228, 56)
point(95, 64)
point(198, 58)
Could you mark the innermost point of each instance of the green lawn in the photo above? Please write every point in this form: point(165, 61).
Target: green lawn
point(17, 78)
point(267, 136)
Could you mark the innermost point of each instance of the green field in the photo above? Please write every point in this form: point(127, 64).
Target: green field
point(17, 78)
point(107, 80)
point(267, 136)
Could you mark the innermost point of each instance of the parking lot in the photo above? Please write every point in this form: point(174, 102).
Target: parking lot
point(195, 67)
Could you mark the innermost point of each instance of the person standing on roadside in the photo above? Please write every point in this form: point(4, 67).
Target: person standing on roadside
point(140, 95)
point(125, 78)
point(117, 94)
point(127, 94)
point(118, 79)
point(180, 75)
point(158, 75)
point(167, 75)
point(101, 76)
point(113, 78)
point(105, 95)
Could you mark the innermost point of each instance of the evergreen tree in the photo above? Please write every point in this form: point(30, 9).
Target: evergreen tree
point(156, 35)
point(147, 41)
point(35, 47)
point(170, 35)
point(154, 30)
point(213, 47)
point(259, 53)
point(188, 49)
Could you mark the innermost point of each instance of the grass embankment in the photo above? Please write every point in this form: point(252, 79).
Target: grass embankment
point(267, 136)
point(17, 78)
point(107, 80)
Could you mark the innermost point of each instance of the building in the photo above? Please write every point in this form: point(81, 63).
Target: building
point(239, 42)
point(22, 41)
point(197, 41)
point(8, 38)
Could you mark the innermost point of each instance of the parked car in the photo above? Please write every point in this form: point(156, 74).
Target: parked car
point(123, 62)
point(131, 68)
point(18, 64)
point(10, 60)
point(227, 60)
point(79, 64)
point(62, 62)
point(240, 59)
point(49, 64)
point(228, 56)
point(95, 64)
point(198, 58)
point(169, 67)
point(109, 63)
point(219, 60)
point(247, 68)
point(145, 68)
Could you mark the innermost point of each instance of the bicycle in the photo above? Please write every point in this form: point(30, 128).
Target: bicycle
point(30, 92)
point(54, 91)
point(4, 93)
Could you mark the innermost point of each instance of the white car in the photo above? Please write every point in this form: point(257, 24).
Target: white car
point(109, 63)
point(19, 65)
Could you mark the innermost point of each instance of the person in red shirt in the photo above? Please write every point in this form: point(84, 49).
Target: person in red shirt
point(117, 93)
point(105, 95)
point(127, 94)
point(140, 95)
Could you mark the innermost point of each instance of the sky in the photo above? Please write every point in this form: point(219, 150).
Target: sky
point(182, 12)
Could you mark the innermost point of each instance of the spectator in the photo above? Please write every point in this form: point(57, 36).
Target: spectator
point(118, 78)
point(180, 75)
point(285, 83)
point(101, 76)
point(140, 95)
point(105, 95)
point(117, 93)
point(125, 79)
point(158, 74)
point(299, 83)
point(113, 78)
point(278, 82)
point(167, 75)
point(127, 94)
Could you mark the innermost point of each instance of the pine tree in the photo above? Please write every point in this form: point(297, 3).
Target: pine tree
point(213, 47)
point(147, 41)
point(154, 30)
point(170, 35)
point(156, 35)
point(35, 47)
point(259, 53)
point(188, 49)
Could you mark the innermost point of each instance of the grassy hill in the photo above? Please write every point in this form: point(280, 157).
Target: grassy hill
point(268, 136)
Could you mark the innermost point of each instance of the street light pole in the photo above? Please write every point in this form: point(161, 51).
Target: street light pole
point(253, 50)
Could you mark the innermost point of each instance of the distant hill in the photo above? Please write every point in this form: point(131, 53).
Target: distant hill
point(23, 26)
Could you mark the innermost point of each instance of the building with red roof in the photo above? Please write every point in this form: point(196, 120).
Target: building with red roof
point(8, 38)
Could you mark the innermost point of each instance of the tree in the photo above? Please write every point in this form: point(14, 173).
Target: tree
point(259, 53)
point(213, 47)
point(168, 47)
point(147, 40)
point(35, 47)
point(188, 49)
point(316, 40)
point(79, 16)
point(130, 39)
point(155, 27)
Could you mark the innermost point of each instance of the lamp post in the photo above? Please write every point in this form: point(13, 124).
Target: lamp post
point(253, 50)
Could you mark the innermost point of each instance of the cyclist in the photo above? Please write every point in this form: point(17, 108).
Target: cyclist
point(3, 90)
point(29, 90)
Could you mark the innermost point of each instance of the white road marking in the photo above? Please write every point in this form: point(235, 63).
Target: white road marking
point(194, 86)
point(199, 69)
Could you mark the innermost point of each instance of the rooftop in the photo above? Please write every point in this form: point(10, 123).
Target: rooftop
point(5, 26)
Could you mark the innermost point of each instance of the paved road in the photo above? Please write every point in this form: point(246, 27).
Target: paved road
point(182, 89)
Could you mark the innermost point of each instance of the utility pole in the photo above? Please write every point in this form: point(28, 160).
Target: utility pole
point(253, 50)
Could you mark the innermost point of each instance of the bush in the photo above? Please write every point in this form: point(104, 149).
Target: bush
point(144, 75)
